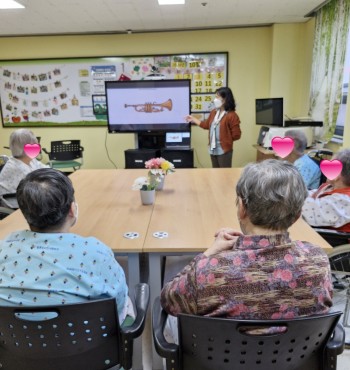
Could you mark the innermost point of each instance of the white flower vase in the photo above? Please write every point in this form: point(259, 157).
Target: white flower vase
point(160, 184)
point(147, 196)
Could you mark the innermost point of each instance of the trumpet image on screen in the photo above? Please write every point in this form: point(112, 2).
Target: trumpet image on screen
point(151, 107)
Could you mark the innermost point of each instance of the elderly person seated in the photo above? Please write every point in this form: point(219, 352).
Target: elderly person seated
point(18, 166)
point(259, 273)
point(48, 265)
point(309, 170)
point(329, 205)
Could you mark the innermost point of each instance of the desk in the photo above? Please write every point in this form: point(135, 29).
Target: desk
point(192, 206)
point(263, 153)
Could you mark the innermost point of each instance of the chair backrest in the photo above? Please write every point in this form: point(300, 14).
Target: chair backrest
point(214, 343)
point(82, 336)
point(65, 150)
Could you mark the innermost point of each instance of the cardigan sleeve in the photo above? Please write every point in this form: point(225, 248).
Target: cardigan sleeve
point(234, 125)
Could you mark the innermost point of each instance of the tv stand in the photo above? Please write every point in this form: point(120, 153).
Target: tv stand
point(153, 144)
point(150, 140)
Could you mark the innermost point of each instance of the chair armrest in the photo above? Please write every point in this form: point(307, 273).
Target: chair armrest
point(164, 349)
point(336, 344)
point(128, 333)
point(141, 303)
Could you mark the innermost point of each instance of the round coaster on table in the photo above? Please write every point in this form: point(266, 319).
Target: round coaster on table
point(131, 235)
point(160, 234)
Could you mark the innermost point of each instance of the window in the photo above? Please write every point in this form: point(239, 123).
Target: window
point(339, 128)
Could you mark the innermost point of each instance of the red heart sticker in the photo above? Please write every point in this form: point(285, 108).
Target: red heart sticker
point(32, 150)
point(282, 145)
point(331, 169)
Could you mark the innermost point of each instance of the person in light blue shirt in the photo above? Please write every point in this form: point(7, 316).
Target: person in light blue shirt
point(48, 265)
point(309, 170)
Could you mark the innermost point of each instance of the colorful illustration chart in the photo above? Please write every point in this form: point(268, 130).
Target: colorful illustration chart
point(70, 92)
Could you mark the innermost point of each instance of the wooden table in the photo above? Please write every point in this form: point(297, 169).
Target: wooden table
point(192, 206)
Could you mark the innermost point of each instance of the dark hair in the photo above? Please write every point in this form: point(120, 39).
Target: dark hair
point(44, 197)
point(226, 94)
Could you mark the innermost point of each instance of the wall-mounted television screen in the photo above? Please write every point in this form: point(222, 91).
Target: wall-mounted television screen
point(148, 105)
point(269, 112)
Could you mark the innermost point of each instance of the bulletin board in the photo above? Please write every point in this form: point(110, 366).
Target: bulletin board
point(70, 92)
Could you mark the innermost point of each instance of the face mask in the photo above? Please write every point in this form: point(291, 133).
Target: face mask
point(218, 103)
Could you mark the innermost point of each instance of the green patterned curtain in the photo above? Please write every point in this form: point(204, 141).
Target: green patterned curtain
point(331, 33)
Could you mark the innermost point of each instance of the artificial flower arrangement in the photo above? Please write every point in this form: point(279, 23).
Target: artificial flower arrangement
point(146, 183)
point(159, 166)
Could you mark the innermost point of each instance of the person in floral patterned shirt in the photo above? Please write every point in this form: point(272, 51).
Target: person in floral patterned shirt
point(259, 273)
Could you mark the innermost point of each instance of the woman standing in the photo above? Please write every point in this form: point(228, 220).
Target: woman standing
point(223, 125)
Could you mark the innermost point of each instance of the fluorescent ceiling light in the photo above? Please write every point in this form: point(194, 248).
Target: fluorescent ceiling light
point(171, 2)
point(10, 4)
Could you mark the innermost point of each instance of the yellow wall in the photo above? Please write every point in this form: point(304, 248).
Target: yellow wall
point(263, 62)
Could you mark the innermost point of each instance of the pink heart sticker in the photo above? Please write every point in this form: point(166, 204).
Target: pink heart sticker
point(331, 169)
point(32, 150)
point(282, 145)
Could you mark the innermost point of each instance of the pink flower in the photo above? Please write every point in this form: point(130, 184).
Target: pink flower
point(211, 278)
point(202, 263)
point(288, 258)
point(286, 275)
point(238, 309)
point(237, 261)
point(264, 243)
point(293, 284)
point(251, 255)
point(247, 241)
point(214, 262)
point(181, 286)
point(289, 315)
point(276, 316)
point(201, 279)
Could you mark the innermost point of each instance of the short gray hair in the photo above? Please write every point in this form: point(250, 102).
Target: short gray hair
point(300, 140)
point(273, 193)
point(19, 139)
point(344, 157)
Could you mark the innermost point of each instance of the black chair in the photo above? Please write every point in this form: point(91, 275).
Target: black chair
point(333, 237)
point(4, 210)
point(339, 260)
point(82, 336)
point(317, 155)
point(65, 154)
point(207, 343)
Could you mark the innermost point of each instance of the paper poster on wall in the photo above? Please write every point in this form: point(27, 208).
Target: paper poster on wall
point(71, 92)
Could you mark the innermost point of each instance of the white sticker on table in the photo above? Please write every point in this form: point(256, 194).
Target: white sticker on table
point(131, 235)
point(160, 234)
